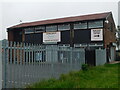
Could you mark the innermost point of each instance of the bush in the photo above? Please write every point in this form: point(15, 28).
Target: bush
point(84, 67)
point(62, 77)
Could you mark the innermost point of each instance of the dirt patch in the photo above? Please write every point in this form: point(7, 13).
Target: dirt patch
point(114, 62)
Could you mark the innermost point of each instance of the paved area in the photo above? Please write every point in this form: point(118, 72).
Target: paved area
point(114, 62)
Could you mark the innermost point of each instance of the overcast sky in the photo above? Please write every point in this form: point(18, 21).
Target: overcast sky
point(119, 13)
point(13, 12)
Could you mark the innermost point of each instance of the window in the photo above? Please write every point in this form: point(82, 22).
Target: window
point(29, 30)
point(51, 28)
point(39, 29)
point(38, 56)
point(64, 27)
point(80, 25)
point(95, 24)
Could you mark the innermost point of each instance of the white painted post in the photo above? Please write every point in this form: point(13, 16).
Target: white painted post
point(0, 65)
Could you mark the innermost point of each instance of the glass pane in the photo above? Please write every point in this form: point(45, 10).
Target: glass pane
point(80, 25)
point(95, 24)
point(40, 29)
point(64, 27)
point(51, 28)
point(29, 30)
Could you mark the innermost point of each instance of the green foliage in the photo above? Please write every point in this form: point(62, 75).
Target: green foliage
point(84, 67)
point(105, 76)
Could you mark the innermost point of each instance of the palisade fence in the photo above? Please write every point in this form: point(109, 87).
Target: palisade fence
point(24, 64)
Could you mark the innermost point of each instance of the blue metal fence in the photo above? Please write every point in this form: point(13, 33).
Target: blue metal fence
point(24, 64)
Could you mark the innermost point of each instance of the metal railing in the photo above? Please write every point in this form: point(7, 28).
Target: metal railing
point(24, 64)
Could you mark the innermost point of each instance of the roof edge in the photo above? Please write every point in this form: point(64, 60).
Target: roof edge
point(17, 26)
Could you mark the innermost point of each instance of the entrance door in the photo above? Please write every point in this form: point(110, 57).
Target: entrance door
point(90, 57)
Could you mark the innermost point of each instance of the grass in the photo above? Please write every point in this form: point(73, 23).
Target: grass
point(105, 76)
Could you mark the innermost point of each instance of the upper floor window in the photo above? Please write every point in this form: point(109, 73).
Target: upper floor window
point(64, 27)
point(39, 29)
point(29, 30)
point(51, 28)
point(80, 25)
point(95, 24)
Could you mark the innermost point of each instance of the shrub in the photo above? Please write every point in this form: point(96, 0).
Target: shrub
point(84, 67)
point(62, 77)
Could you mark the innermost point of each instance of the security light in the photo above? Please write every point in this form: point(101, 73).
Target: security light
point(106, 21)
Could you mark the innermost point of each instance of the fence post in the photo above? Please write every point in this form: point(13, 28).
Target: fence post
point(5, 61)
point(71, 56)
point(1, 65)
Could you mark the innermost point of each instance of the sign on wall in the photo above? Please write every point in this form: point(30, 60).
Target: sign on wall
point(96, 34)
point(51, 37)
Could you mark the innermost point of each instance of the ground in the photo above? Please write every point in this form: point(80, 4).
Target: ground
point(105, 76)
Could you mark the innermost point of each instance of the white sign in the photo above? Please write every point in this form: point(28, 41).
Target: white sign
point(96, 34)
point(49, 37)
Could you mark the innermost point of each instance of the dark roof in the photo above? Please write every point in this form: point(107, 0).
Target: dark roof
point(64, 20)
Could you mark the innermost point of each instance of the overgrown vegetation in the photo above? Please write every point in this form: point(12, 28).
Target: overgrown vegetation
point(84, 67)
point(95, 77)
